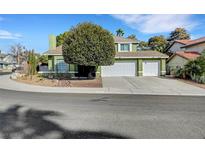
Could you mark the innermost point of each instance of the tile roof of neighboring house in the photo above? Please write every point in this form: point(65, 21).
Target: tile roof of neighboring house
point(141, 54)
point(119, 39)
point(196, 41)
point(189, 55)
point(187, 43)
point(184, 41)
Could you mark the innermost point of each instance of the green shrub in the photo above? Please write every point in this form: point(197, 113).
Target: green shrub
point(180, 73)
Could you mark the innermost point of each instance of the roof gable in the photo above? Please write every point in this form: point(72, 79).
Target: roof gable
point(195, 42)
point(119, 39)
point(189, 55)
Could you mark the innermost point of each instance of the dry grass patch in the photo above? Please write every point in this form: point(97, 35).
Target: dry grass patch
point(37, 80)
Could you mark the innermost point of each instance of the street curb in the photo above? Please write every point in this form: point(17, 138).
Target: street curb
point(77, 90)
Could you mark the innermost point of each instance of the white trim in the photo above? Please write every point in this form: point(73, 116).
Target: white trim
point(118, 47)
point(130, 47)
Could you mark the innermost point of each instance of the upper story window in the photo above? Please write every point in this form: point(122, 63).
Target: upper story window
point(124, 47)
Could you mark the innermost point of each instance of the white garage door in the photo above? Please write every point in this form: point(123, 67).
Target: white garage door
point(119, 69)
point(151, 68)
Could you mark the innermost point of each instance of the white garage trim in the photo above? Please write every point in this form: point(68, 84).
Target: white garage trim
point(151, 68)
point(119, 69)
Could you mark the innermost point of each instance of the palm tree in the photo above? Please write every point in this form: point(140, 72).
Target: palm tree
point(120, 32)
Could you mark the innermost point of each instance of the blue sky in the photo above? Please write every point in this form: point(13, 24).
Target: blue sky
point(33, 30)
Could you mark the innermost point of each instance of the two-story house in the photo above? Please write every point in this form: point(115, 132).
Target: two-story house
point(197, 45)
point(184, 51)
point(128, 60)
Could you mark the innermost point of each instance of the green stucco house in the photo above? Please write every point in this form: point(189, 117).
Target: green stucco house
point(129, 60)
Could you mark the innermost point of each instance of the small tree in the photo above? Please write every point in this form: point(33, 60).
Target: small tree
point(32, 63)
point(90, 46)
point(179, 34)
point(143, 44)
point(17, 51)
point(43, 59)
point(132, 36)
point(157, 43)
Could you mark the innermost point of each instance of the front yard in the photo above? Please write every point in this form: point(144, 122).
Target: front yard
point(38, 80)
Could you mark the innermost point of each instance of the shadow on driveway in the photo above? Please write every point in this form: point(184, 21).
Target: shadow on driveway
point(34, 124)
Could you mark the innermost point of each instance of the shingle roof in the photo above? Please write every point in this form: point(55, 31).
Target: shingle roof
point(196, 41)
point(184, 41)
point(141, 54)
point(190, 55)
point(138, 54)
point(58, 51)
point(119, 39)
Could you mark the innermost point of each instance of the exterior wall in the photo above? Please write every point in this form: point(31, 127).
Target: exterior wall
point(199, 48)
point(134, 47)
point(116, 47)
point(176, 47)
point(139, 73)
point(52, 62)
point(174, 63)
point(139, 68)
point(163, 66)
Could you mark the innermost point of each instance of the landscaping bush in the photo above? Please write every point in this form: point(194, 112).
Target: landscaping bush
point(180, 73)
point(194, 70)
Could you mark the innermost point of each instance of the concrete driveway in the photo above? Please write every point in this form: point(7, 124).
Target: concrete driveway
point(151, 85)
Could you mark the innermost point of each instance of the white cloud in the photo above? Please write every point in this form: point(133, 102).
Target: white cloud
point(157, 23)
point(8, 35)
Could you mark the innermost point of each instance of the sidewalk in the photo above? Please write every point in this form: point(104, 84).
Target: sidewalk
point(7, 83)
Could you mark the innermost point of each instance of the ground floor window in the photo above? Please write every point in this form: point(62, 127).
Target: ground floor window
point(61, 66)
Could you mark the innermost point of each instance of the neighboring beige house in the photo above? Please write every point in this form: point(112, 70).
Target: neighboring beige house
point(179, 59)
point(197, 45)
point(177, 45)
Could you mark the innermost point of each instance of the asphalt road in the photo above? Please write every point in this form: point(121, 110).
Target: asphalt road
point(47, 115)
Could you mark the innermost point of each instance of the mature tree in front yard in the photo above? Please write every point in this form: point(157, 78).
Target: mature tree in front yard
point(120, 32)
point(60, 38)
point(89, 46)
point(43, 59)
point(158, 43)
point(179, 34)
